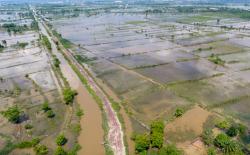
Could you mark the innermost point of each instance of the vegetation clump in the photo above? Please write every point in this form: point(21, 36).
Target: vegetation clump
point(22, 44)
point(28, 144)
point(56, 62)
point(142, 142)
point(207, 137)
point(216, 59)
point(178, 112)
point(46, 42)
point(170, 150)
point(11, 27)
point(28, 126)
point(13, 114)
point(48, 110)
point(60, 151)
point(223, 125)
point(157, 134)
point(45, 106)
point(69, 95)
point(61, 140)
point(41, 149)
point(153, 142)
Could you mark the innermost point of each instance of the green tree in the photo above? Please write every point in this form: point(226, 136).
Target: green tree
point(50, 114)
point(69, 95)
point(45, 106)
point(157, 126)
point(211, 151)
point(221, 140)
point(232, 131)
point(157, 133)
point(61, 140)
point(223, 125)
point(41, 149)
point(207, 136)
point(178, 112)
point(170, 150)
point(142, 142)
point(156, 139)
point(241, 128)
point(12, 114)
point(60, 151)
point(232, 148)
point(56, 62)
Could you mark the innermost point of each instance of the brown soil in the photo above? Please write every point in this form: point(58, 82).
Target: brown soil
point(190, 123)
point(191, 120)
point(193, 148)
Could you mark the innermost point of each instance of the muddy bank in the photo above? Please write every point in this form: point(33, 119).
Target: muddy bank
point(91, 136)
point(127, 122)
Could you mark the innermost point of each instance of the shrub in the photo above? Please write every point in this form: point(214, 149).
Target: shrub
point(170, 150)
point(157, 126)
point(69, 95)
point(23, 45)
point(45, 106)
point(28, 144)
point(28, 126)
point(76, 147)
point(60, 151)
point(156, 139)
point(211, 151)
point(76, 128)
point(232, 148)
point(50, 114)
point(221, 140)
point(41, 150)
point(12, 114)
point(178, 112)
point(157, 134)
point(223, 125)
point(241, 128)
point(216, 59)
point(56, 62)
point(79, 112)
point(232, 131)
point(61, 140)
point(142, 142)
point(207, 136)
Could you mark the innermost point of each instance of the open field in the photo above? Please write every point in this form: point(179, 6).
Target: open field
point(157, 60)
point(156, 63)
point(29, 81)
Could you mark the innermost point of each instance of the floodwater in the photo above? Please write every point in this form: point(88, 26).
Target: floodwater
point(91, 136)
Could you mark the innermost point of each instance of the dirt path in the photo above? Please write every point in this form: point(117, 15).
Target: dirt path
point(91, 137)
point(127, 122)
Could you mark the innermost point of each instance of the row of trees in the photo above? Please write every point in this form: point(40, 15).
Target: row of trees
point(154, 141)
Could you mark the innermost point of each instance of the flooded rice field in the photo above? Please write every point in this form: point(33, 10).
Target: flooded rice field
point(144, 58)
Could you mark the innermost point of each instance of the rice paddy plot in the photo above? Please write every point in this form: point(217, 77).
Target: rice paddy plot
point(180, 71)
point(152, 59)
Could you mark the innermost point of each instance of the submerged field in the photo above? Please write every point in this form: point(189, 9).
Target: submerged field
point(157, 63)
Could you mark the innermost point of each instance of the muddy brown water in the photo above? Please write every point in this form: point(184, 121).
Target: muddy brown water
point(91, 136)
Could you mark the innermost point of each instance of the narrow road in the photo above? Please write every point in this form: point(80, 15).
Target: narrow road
point(91, 136)
point(115, 134)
